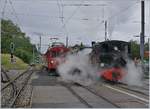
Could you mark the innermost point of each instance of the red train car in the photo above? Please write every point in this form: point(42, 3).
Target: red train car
point(111, 57)
point(55, 55)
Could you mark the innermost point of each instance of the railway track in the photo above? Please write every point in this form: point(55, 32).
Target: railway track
point(77, 95)
point(93, 96)
point(133, 90)
point(97, 94)
point(19, 82)
point(140, 96)
point(82, 100)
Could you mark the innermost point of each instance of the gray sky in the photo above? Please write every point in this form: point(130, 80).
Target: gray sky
point(81, 23)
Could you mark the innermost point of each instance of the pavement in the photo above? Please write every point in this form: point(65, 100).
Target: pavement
point(48, 93)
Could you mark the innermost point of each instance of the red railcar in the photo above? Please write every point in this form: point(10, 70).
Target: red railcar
point(55, 55)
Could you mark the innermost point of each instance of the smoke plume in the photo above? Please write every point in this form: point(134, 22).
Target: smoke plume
point(77, 68)
point(119, 13)
point(134, 74)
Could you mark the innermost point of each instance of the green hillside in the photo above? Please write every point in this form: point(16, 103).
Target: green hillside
point(18, 64)
point(11, 33)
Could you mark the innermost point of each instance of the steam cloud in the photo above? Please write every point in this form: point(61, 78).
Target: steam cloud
point(134, 74)
point(78, 69)
point(115, 12)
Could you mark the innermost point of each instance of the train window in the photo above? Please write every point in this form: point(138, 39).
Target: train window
point(56, 54)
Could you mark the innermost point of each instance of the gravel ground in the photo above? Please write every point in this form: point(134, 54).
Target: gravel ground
point(7, 94)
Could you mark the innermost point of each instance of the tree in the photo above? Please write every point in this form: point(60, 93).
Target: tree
point(135, 49)
point(12, 33)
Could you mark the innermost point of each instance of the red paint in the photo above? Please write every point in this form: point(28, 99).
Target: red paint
point(55, 56)
point(113, 74)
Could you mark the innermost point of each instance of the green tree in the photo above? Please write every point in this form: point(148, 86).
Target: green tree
point(135, 49)
point(12, 33)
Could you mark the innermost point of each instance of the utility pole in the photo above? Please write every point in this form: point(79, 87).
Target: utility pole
point(105, 30)
point(40, 49)
point(67, 41)
point(142, 35)
point(33, 55)
point(40, 44)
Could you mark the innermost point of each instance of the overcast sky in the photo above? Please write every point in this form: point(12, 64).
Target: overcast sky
point(80, 20)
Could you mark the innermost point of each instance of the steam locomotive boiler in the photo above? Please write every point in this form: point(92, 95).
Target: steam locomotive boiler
point(111, 59)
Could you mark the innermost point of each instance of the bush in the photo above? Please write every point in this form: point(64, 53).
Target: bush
point(24, 55)
point(23, 46)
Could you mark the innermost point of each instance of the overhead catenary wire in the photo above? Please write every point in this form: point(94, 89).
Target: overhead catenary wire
point(115, 15)
point(59, 8)
point(123, 10)
point(15, 14)
point(3, 10)
point(73, 13)
point(61, 14)
point(69, 18)
point(65, 28)
point(120, 12)
point(62, 11)
point(55, 17)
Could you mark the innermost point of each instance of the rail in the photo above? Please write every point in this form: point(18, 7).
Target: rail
point(15, 78)
point(12, 82)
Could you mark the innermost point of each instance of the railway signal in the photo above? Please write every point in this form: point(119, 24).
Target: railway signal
point(12, 46)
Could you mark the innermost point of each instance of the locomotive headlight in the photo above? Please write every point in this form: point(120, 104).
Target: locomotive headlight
point(102, 64)
point(52, 62)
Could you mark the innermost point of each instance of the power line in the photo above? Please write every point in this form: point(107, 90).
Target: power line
point(63, 0)
point(3, 10)
point(59, 8)
point(116, 14)
point(62, 12)
point(60, 17)
point(64, 24)
point(74, 12)
point(84, 4)
point(121, 11)
point(15, 14)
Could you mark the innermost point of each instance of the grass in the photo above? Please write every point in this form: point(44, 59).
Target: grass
point(18, 65)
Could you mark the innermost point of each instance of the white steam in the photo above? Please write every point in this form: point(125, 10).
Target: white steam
point(119, 13)
point(115, 12)
point(78, 69)
point(134, 74)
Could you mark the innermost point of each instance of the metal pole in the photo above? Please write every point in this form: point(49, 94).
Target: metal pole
point(33, 55)
point(105, 30)
point(67, 41)
point(142, 35)
point(40, 45)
